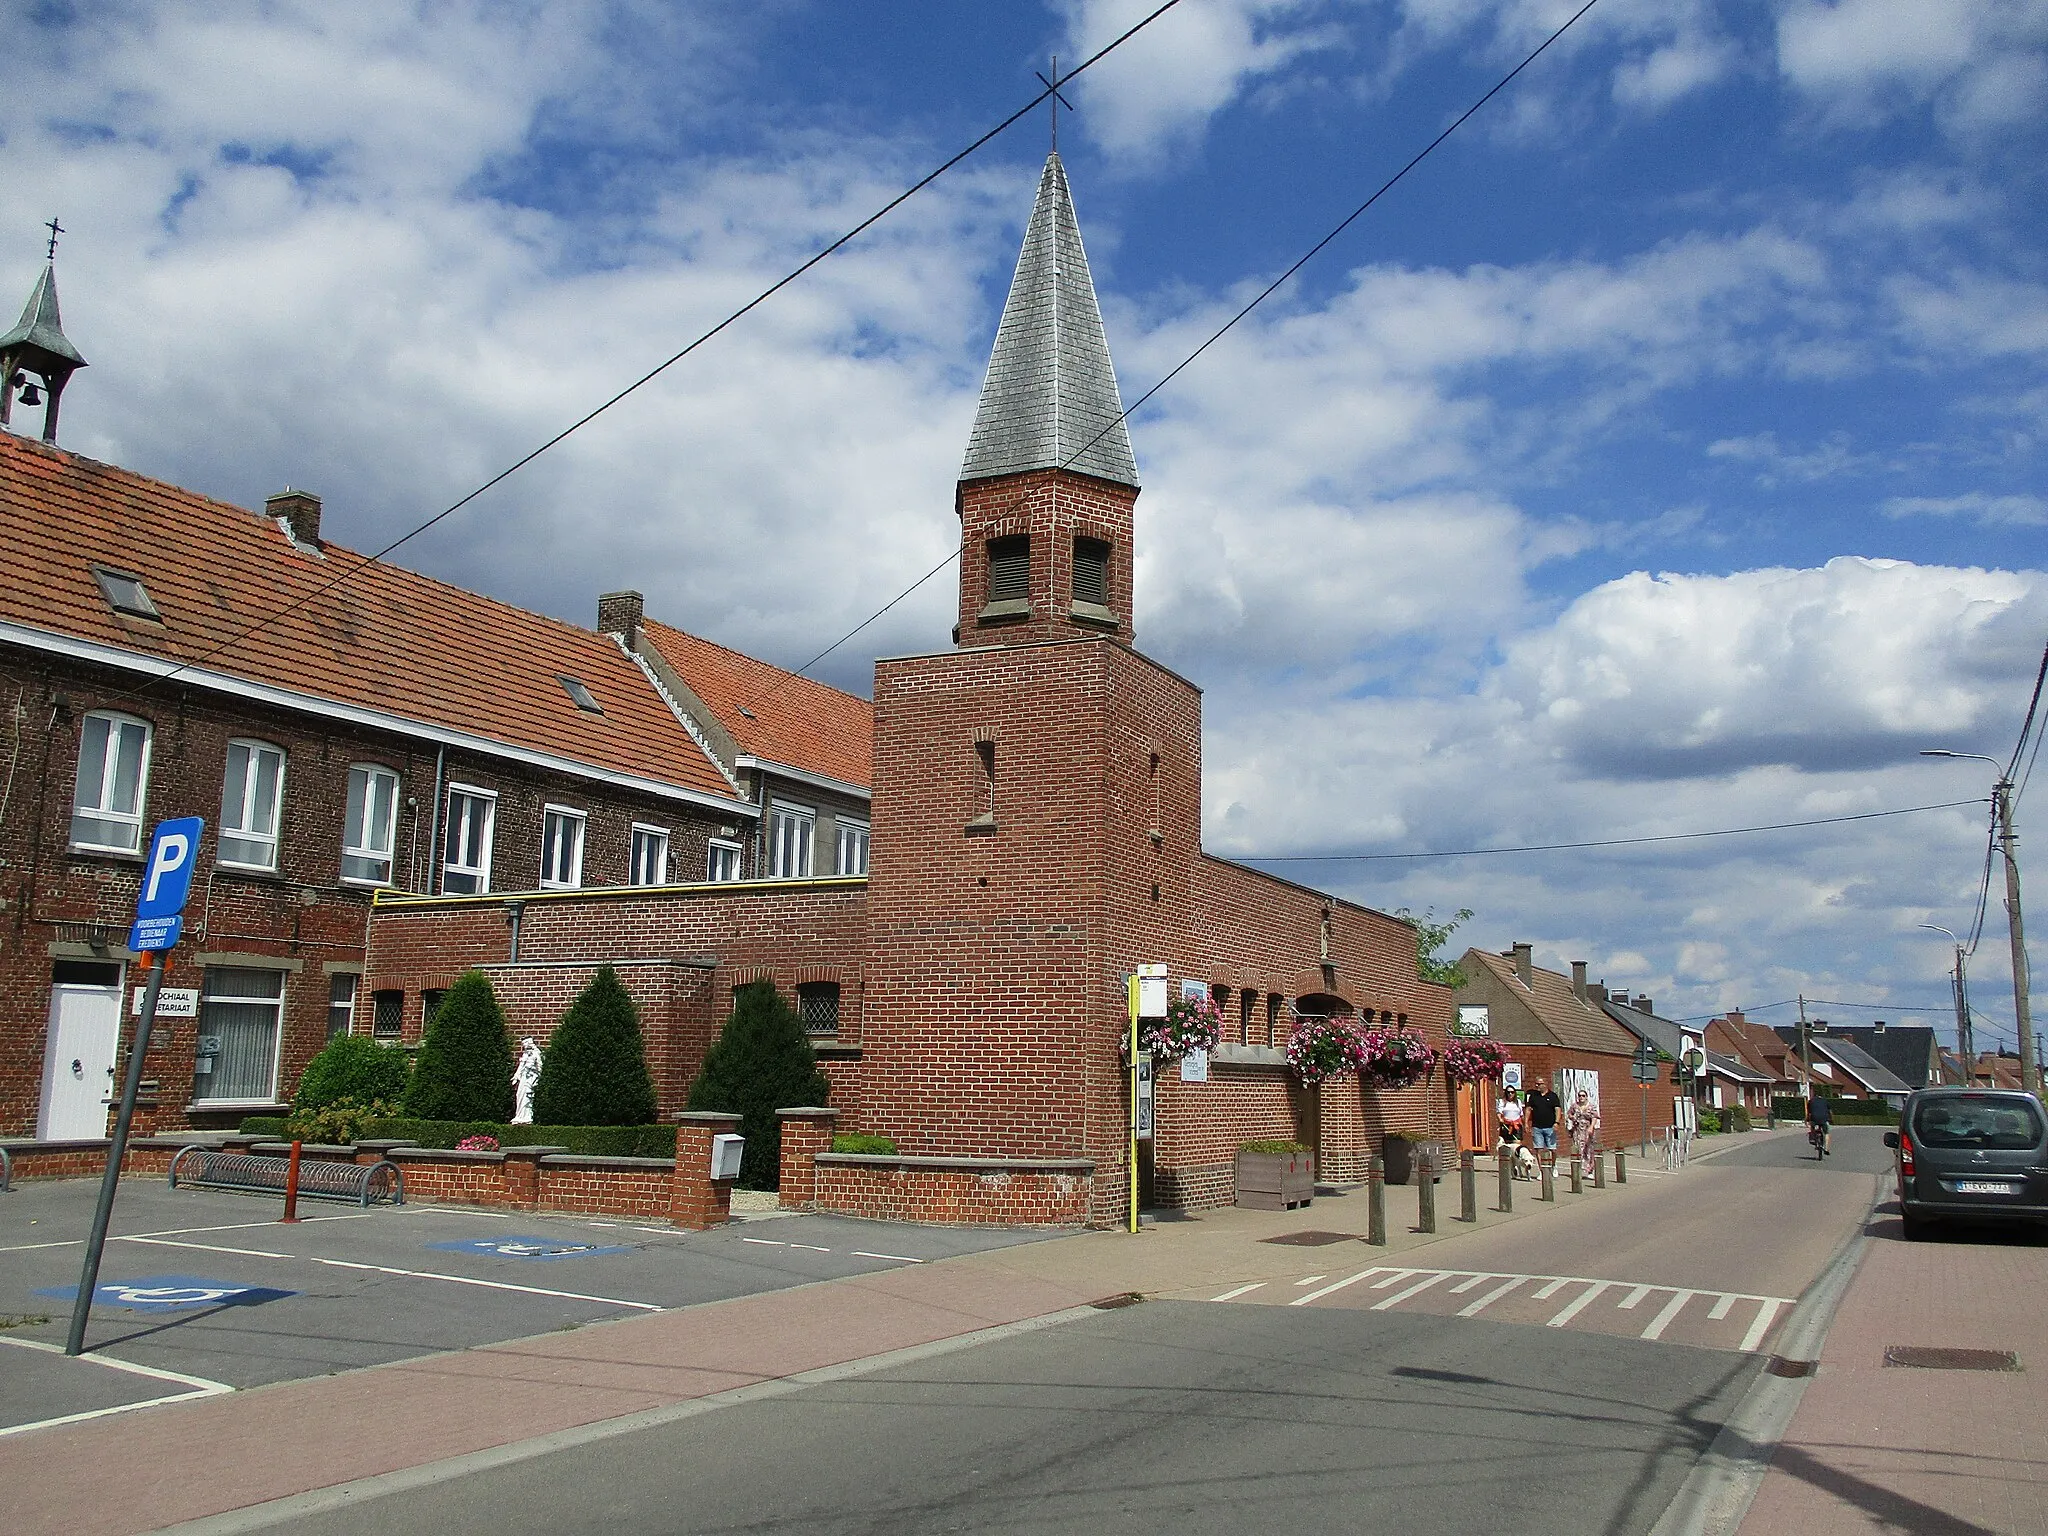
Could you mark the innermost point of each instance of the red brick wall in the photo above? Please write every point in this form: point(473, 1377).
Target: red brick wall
point(1053, 507)
point(1621, 1097)
point(881, 1190)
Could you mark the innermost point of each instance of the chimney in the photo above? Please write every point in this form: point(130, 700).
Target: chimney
point(620, 613)
point(1579, 980)
point(1644, 1005)
point(1877, 1026)
point(300, 512)
point(1525, 965)
point(1735, 1017)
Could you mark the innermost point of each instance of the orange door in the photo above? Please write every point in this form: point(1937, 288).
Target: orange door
point(1475, 1117)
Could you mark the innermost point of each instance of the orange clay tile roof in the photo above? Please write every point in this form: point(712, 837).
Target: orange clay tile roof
point(1575, 1025)
point(791, 720)
point(387, 639)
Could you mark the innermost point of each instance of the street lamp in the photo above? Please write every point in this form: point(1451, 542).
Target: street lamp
point(2001, 796)
point(1966, 1043)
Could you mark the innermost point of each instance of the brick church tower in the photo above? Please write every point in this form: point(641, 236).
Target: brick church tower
point(1036, 805)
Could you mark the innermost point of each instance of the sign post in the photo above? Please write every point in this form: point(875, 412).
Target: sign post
point(159, 918)
point(1644, 1070)
point(1146, 993)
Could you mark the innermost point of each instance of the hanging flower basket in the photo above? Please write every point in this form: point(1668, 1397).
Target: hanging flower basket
point(1474, 1061)
point(1394, 1058)
point(1191, 1024)
point(1322, 1047)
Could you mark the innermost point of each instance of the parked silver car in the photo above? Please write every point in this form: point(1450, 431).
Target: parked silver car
point(1970, 1154)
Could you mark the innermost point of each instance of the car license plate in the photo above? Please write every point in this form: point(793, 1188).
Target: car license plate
point(1982, 1187)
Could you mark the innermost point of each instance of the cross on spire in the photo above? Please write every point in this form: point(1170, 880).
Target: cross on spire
point(1052, 88)
point(57, 229)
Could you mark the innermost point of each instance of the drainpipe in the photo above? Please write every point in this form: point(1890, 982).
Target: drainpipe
point(514, 911)
point(434, 826)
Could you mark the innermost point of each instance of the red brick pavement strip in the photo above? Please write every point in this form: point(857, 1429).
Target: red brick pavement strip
point(1884, 1448)
point(162, 1466)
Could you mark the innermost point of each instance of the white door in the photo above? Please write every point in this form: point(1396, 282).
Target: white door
point(78, 1062)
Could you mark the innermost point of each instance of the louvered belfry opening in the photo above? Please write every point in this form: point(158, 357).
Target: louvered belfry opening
point(1009, 568)
point(1091, 571)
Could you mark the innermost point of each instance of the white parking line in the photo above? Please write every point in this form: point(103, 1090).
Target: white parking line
point(1671, 1310)
point(765, 1242)
point(1473, 1309)
point(410, 1274)
point(1338, 1285)
point(1414, 1290)
point(1242, 1290)
point(1580, 1304)
point(197, 1386)
point(900, 1258)
point(1766, 1314)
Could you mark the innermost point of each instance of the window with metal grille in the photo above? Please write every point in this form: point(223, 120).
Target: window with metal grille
point(387, 1015)
point(817, 1004)
point(1009, 568)
point(1091, 572)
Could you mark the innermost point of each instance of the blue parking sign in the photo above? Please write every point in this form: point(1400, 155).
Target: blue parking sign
point(166, 883)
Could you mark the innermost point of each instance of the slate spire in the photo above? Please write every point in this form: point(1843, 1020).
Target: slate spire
point(38, 345)
point(1050, 400)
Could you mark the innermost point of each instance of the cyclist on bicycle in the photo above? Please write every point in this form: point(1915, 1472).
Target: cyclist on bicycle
point(1820, 1118)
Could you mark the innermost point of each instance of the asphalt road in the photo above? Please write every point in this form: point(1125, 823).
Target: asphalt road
point(1187, 1417)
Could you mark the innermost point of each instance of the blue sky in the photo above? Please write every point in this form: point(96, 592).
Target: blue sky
point(1665, 453)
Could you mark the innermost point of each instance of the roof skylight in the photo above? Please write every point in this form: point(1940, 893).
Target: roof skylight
point(125, 593)
point(579, 695)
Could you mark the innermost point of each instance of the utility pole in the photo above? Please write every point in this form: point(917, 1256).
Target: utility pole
point(1959, 985)
point(1805, 1049)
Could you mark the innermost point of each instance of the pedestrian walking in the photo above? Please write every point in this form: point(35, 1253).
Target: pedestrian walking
point(1508, 1111)
point(1582, 1124)
point(1541, 1109)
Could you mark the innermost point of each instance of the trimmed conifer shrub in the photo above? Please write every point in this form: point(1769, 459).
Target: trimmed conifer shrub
point(762, 1062)
point(351, 1068)
point(465, 1065)
point(594, 1070)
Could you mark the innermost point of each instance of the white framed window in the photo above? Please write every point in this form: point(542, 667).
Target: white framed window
point(724, 863)
point(341, 1003)
point(368, 836)
point(113, 777)
point(650, 855)
point(466, 850)
point(240, 1015)
point(561, 848)
point(792, 831)
point(852, 848)
point(251, 804)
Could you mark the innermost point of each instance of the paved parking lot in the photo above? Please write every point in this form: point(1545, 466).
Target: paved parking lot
point(202, 1292)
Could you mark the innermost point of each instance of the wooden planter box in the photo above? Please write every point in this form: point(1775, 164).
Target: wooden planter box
point(1275, 1181)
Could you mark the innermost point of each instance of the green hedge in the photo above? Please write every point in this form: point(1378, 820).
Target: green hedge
point(1275, 1148)
point(871, 1146)
point(1847, 1111)
point(589, 1140)
point(1736, 1118)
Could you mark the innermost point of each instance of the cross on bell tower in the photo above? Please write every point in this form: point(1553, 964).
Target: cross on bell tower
point(37, 345)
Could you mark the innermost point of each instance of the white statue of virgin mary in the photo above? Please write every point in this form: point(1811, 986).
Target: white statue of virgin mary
point(524, 1077)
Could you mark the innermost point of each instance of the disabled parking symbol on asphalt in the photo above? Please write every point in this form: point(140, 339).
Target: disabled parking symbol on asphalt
point(528, 1248)
point(170, 1293)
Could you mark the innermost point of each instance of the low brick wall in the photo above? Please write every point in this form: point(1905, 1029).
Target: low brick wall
point(955, 1191)
point(607, 1186)
point(88, 1159)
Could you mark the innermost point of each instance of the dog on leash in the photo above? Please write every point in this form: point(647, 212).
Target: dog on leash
point(1520, 1159)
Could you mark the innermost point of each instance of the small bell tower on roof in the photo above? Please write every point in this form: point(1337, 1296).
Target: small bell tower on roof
point(1047, 490)
point(37, 345)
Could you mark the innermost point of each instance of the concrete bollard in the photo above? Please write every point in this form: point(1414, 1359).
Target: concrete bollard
point(1425, 1194)
point(1468, 1188)
point(1376, 1201)
point(1548, 1191)
point(1620, 1166)
point(1507, 1178)
point(1599, 1170)
point(1578, 1178)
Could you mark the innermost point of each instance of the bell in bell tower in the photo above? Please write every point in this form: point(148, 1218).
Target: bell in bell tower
point(36, 358)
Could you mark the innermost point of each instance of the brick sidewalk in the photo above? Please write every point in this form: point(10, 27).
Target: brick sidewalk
point(1948, 1453)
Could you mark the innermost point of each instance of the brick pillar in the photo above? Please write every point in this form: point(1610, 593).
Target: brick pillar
point(522, 1174)
point(805, 1133)
point(695, 1200)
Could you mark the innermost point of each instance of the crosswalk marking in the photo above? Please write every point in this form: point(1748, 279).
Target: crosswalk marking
point(1584, 1301)
point(1394, 1279)
point(1471, 1285)
point(1551, 1289)
point(1242, 1290)
point(1310, 1279)
point(1629, 1302)
point(1338, 1285)
point(1766, 1311)
point(1473, 1309)
point(1721, 1308)
point(1414, 1290)
point(1671, 1310)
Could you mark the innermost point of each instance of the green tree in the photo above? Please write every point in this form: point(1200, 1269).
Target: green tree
point(465, 1065)
point(350, 1068)
point(1430, 938)
point(762, 1062)
point(594, 1070)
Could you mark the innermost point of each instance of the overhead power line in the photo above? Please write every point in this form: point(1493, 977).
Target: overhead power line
point(364, 562)
point(1603, 842)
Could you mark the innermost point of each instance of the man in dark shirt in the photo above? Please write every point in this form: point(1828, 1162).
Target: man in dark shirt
point(1820, 1116)
point(1543, 1107)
